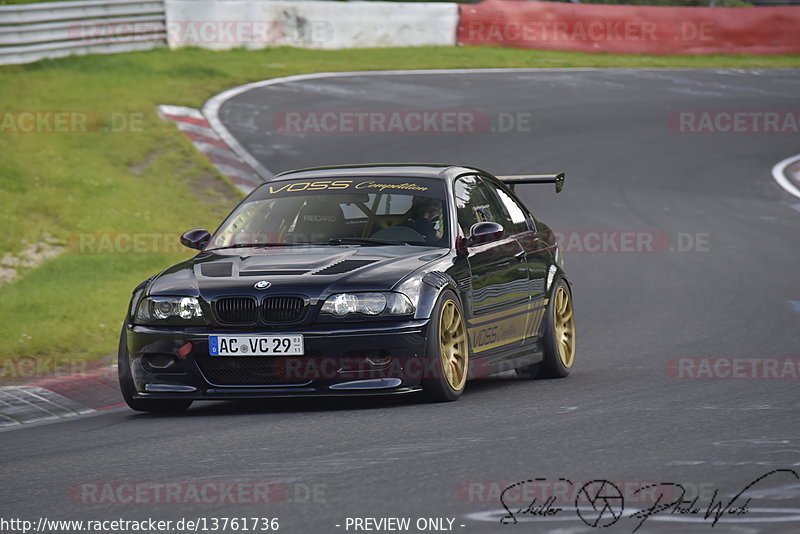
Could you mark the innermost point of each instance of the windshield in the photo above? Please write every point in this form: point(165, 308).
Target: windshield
point(358, 211)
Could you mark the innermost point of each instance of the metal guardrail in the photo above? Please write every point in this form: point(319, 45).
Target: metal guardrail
point(30, 32)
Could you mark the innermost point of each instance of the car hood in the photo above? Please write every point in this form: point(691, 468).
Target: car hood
point(313, 272)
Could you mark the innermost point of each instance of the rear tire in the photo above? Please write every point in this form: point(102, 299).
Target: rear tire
point(447, 354)
point(128, 389)
point(559, 334)
point(559, 338)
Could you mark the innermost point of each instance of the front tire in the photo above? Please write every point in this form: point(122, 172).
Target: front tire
point(128, 389)
point(447, 351)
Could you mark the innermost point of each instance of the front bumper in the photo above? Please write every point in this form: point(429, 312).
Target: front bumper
point(339, 360)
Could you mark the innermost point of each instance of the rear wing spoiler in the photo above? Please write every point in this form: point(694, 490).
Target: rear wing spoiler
point(514, 179)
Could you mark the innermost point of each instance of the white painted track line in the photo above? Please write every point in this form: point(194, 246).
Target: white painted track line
point(779, 173)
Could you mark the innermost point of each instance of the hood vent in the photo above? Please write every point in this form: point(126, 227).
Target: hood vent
point(344, 266)
point(216, 269)
point(274, 272)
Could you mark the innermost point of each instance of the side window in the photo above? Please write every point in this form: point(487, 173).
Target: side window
point(516, 217)
point(472, 205)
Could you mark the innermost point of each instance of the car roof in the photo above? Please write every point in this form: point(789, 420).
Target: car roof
point(403, 170)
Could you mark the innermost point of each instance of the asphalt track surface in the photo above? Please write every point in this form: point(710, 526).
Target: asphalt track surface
point(620, 416)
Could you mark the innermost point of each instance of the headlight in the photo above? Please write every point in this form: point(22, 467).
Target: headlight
point(368, 304)
point(170, 309)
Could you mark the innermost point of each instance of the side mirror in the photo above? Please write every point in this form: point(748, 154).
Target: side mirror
point(197, 238)
point(484, 232)
point(559, 182)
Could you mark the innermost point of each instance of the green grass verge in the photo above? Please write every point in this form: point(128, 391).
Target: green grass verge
point(147, 179)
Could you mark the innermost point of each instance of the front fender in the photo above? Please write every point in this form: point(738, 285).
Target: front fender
point(431, 286)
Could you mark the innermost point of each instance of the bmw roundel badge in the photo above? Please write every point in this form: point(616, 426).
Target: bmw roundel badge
point(262, 284)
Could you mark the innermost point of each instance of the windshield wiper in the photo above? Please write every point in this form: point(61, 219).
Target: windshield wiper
point(363, 241)
point(258, 245)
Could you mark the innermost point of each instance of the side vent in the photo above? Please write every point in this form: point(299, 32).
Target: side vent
point(436, 279)
point(216, 269)
point(344, 266)
point(464, 285)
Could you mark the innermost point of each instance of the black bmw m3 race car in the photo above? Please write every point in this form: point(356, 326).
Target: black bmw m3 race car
point(357, 280)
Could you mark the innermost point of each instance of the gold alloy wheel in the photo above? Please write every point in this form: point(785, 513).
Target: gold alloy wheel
point(565, 327)
point(453, 346)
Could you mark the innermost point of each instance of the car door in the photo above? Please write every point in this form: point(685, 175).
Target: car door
point(537, 257)
point(499, 299)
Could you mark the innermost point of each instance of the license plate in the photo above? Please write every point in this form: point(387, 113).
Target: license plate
point(255, 345)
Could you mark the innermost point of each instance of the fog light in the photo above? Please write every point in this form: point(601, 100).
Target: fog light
point(378, 360)
point(159, 362)
point(358, 361)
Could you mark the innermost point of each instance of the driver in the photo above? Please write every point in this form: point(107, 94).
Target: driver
point(423, 216)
